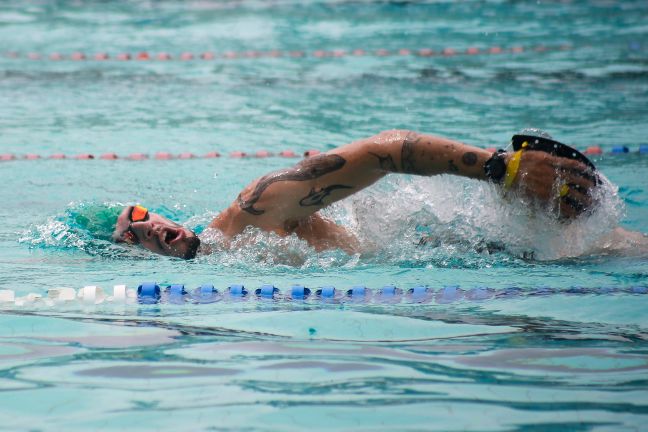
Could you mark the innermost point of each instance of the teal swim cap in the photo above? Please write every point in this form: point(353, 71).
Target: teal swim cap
point(98, 220)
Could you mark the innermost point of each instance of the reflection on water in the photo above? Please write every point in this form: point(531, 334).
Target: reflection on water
point(513, 371)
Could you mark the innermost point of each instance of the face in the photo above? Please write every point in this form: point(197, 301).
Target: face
point(136, 225)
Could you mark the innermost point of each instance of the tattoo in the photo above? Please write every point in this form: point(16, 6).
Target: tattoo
point(407, 153)
point(469, 158)
point(314, 198)
point(308, 169)
point(452, 167)
point(386, 162)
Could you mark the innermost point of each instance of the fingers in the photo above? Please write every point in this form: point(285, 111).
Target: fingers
point(567, 185)
point(568, 209)
point(575, 168)
point(576, 182)
point(585, 178)
point(572, 201)
point(564, 163)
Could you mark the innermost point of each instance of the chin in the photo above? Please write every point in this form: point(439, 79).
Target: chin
point(193, 244)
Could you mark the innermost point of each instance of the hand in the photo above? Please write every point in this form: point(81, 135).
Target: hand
point(565, 185)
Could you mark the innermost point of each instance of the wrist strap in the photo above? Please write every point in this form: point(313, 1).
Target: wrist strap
point(512, 169)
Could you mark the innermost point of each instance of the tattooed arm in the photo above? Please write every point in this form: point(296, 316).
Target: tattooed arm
point(282, 200)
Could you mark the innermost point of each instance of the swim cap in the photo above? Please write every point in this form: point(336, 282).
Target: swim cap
point(96, 219)
point(535, 132)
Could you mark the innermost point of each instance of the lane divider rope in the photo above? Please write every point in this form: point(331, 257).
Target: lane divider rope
point(154, 293)
point(157, 156)
point(256, 54)
point(260, 154)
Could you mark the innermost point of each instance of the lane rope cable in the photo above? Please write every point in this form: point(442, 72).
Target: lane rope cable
point(154, 293)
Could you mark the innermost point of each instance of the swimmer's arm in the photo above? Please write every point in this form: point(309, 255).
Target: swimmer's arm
point(281, 199)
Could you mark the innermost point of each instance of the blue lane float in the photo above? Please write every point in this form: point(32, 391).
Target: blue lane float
point(267, 291)
point(205, 294)
point(299, 292)
point(154, 293)
point(176, 294)
point(620, 149)
point(237, 291)
point(149, 293)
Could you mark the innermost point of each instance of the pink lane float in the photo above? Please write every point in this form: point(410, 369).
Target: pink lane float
point(258, 154)
point(256, 54)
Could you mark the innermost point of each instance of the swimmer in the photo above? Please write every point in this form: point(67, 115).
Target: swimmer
point(288, 201)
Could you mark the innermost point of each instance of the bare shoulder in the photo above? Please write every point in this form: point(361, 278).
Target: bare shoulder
point(230, 221)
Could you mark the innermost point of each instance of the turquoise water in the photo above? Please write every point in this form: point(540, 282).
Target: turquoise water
point(555, 362)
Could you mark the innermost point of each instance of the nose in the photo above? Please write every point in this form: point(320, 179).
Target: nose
point(146, 229)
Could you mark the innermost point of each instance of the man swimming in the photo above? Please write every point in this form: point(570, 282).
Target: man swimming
point(288, 201)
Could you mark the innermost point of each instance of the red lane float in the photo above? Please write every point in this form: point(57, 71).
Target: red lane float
point(163, 156)
point(260, 154)
point(137, 156)
point(593, 150)
point(287, 154)
point(253, 54)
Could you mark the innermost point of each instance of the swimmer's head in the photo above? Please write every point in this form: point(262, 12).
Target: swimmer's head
point(136, 225)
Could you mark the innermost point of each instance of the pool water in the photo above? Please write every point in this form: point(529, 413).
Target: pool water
point(563, 361)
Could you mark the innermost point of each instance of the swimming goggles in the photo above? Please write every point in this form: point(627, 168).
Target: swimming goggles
point(137, 214)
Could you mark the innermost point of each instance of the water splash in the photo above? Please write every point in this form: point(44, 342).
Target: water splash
point(473, 220)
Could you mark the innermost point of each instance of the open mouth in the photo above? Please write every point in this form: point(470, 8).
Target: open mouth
point(171, 236)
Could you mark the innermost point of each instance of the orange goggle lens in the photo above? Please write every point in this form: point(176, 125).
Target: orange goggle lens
point(138, 214)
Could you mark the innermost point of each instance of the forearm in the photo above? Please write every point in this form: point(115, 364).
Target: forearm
point(412, 153)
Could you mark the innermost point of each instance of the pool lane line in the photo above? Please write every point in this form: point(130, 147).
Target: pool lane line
point(259, 154)
point(154, 293)
point(187, 56)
